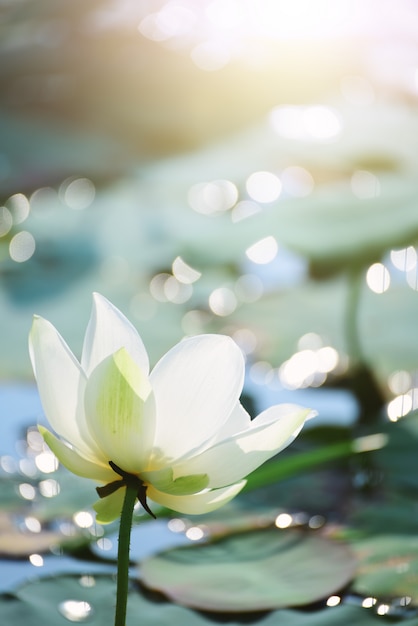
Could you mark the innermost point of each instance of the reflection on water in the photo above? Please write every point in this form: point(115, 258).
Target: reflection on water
point(75, 610)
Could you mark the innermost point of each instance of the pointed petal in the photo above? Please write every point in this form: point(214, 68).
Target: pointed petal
point(238, 421)
point(74, 462)
point(162, 480)
point(196, 386)
point(199, 503)
point(108, 509)
point(236, 457)
point(120, 411)
point(109, 330)
point(61, 383)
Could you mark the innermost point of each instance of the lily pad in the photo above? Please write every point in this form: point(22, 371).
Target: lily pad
point(14, 543)
point(60, 600)
point(255, 571)
point(335, 616)
point(332, 228)
point(388, 566)
point(398, 460)
point(64, 599)
point(341, 230)
point(387, 323)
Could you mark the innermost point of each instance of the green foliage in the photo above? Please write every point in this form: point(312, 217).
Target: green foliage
point(252, 571)
point(41, 602)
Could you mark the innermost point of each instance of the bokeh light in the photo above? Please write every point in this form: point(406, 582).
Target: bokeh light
point(263, 251)
point(183, 272)
point(19, 207)
point(22, 246)
point(6, 221)
point(263, 186)
point(33, 524)
point(49, 488)
point(244, 209)
point(222, 301)
point(213, 197)
point(404, 259)
point(27, 491)
point(46, 462)
point(314, 123)
point(36, 560)
point(83, 519)
point(75, 610)
point(77, 193)
point(211, 55)
point(378, 278)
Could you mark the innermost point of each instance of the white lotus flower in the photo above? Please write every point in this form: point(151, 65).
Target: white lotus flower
point(180, 430)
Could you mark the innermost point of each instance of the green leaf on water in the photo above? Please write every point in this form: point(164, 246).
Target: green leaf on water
point(66, 599)
point(388, 566)
point(252, 571)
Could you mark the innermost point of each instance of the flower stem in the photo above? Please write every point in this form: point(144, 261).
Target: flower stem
point(363, 382)
point(123, 555)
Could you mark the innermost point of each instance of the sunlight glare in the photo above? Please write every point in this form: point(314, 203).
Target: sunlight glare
point(298, 371)
point(6, 221)
point(211, 55)
point(172, 20)
point(226, 14)
point(333, 601)
point(412, 278)
point(213, 197)
point(378, 278)
point(404, 259)
point(183, 272)
point(77, 193)
point(263, 186)
point(314, 123)
point(383, 609)
point(321, 122)
point(327, 359)
point(36, 560)
point(244, 209)
point(22, 246)
point(33, 524)
point(195, 533)
point(27, 491)
point(19, 206)
point(399, 382)
point(399, 407)
point(263, 251)
point(49, 488)
point(83, 519)
point(283, 520)
point(46, 462)
point(222, 301)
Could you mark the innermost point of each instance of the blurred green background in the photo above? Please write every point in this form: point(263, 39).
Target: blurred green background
point(239, 167)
